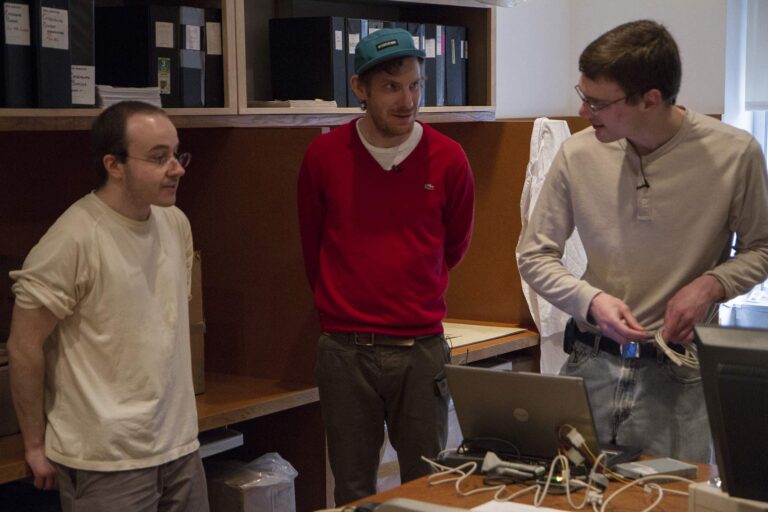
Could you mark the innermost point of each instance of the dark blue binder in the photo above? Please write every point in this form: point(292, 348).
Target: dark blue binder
point(214, 59)
point(417, 32)
point(81, 44)
point(17, 78)
point(434, 36)
point(455, 66)
point(356, 29)
point(191, 56)
point(53, 72)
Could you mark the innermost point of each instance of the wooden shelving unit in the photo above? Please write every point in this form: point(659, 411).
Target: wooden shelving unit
point(228, 399)
point(247, 76)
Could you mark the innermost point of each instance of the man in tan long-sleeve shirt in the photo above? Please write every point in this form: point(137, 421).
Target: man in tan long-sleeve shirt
point(657, 192)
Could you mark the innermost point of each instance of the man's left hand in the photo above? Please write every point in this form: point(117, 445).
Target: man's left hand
point(688, 306)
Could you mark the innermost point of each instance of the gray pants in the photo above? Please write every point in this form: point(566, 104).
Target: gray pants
point(176, 486)
point(650, 403)
point(364, 387)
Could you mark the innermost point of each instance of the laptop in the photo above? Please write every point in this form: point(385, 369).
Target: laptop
point(517, 414)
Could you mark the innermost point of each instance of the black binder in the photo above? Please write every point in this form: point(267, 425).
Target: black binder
point(307, 59)
point(214, 59)
point(17, 78)
point(417, 32)
point(374, 25)
point(191, 56)
point(356, 29)
point(136, 46)
point(396, 24)
point(81, 44)
point(455, 66)
point(434, 39)
point(50, 22)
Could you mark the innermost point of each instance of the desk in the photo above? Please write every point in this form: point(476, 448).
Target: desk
point(631, 500)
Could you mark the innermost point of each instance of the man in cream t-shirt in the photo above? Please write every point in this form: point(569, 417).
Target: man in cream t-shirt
point(99, 346)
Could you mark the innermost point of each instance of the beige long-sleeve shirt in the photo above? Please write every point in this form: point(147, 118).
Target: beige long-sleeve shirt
point(643, 244)
point(118, 384)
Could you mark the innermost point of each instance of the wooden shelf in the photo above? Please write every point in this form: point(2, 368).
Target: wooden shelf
point(81, 119)
point(227, 400)
point(484, 349)
point(231, 399)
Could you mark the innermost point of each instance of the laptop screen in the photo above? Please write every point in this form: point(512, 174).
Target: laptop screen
point(522, 411)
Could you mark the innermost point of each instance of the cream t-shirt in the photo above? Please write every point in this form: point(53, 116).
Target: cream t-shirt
point(118, 387)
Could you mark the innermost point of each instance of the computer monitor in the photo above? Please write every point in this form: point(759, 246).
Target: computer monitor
point(734, 371)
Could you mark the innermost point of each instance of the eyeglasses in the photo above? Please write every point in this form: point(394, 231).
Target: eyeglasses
point(591, 106)
point(163, 160)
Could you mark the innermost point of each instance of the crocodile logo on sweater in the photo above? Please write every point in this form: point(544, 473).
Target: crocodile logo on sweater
point(429, 186)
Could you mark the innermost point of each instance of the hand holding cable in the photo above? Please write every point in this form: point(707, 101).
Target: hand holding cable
point(688, 306)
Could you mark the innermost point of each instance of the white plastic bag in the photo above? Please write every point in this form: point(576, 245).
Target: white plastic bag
point(264, 485)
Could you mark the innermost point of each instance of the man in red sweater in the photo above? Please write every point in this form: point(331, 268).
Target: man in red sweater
point(385, 210)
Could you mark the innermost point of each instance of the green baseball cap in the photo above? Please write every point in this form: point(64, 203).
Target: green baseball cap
point(382, 45)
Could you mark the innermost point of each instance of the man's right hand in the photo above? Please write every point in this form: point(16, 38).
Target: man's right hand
point(42, 469)
point(614, 319)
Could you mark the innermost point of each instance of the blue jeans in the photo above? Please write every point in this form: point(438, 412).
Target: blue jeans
point(361, 388)
point(651, 403)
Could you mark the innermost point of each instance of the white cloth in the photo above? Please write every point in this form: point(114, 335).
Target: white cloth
point(546, 138)
point(118, 384)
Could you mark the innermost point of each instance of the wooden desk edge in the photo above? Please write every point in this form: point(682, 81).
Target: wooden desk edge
point(445, 494)
point(484, 349)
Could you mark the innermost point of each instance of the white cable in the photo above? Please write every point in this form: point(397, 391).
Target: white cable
point(643, 480)
point(658, 499)
point(690, 358)
point(464, 471)
point(467, 469)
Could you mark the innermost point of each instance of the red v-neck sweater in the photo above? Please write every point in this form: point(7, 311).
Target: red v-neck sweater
point(378, 244)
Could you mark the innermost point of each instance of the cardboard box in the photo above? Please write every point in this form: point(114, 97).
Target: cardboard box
point(197, 327)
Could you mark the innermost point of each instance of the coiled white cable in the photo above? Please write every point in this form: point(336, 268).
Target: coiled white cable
point(689, 358)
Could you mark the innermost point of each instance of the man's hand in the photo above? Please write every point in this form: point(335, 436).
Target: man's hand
point(614, 319)
point(688, 306)
point(42, 469)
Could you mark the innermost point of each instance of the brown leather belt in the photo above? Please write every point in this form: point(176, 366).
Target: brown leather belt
point(370, 339)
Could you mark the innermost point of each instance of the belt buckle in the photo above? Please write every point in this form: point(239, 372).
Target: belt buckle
point(365, 343)
point(630, 350)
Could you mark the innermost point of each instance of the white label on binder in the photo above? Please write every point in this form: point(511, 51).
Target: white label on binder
point(453, 51)
point(439, 44)
point(16, 19)
point(192, 38)
point(213, 38)
point(338, 41)
point(464, 50)
point(353, 40)
point(164, 34)
point(83, 85)
point(54, 28)
point(430, 48)
point(416, 42)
